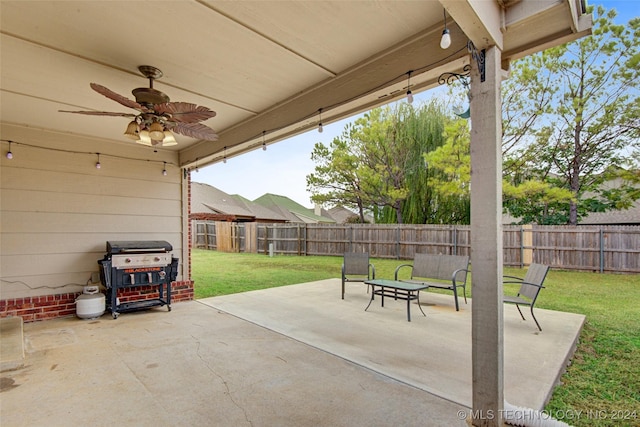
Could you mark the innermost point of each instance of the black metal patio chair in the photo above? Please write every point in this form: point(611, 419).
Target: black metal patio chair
point(357, 268)
point(530, 287)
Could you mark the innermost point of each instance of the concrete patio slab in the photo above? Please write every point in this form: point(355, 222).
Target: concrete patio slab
point(12, 343)
point(432, 353)
point(291, 356)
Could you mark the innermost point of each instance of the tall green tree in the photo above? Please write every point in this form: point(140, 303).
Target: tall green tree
point(377, 163)
point(450, 175)
point(585, 106)
point(336, 178)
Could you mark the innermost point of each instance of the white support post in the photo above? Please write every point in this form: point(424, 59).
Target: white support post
point(486, 241)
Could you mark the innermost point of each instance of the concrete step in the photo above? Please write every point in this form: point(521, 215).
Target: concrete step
point(11, 344)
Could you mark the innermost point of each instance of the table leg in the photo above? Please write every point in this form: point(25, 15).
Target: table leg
point(419, 306)
point(408, 306)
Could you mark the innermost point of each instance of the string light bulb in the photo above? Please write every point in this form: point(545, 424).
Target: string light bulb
point(224, 158)
point(9, 153)
point(164, 170)
point(264, 144)
point(98, 165)
point(409, 94)
point(445, 41)
point(320, 122)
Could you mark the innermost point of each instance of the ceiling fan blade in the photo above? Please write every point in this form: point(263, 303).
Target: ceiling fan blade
point(118, 98)
point(99, 113)
point(194, 130)
point(184, 112)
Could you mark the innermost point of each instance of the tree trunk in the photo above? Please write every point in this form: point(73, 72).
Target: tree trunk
point(398, 207)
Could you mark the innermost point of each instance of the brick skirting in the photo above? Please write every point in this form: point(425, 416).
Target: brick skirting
point(46, 307)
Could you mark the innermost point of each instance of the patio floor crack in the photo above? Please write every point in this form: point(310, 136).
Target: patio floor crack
point(226, 385)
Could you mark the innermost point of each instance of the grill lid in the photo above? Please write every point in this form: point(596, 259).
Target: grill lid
point(138, 246)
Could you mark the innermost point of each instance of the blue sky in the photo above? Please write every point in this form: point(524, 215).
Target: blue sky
point(283, 168)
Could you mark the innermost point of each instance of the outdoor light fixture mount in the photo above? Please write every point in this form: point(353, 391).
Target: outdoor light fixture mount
point(464, 77)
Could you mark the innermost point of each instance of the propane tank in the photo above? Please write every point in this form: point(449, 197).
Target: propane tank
point(90, 304)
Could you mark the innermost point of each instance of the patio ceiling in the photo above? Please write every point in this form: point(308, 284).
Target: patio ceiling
point(265, 67)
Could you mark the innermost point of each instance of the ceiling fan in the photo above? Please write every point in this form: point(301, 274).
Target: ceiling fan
point(157, 117)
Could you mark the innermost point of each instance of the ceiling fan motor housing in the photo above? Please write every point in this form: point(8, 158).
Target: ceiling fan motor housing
point(149, 96)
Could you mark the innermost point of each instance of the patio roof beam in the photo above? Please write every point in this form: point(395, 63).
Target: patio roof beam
point(482, 21)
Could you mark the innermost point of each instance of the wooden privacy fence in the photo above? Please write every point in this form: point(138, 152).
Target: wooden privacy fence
point(590, 248)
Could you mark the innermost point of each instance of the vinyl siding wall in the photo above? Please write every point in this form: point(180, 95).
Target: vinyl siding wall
point(57, 210)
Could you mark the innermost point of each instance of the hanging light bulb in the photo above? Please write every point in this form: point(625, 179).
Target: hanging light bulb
point(409, 94)
point(98, 165)
point(164, 170)
point(224, 158)
point(9, 153)
point(320, 123)
point(264, 144)
point(445, 41)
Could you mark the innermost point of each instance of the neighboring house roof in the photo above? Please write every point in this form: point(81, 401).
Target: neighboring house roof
point(216, 204)
point(293, 211)
point(341, 214)
point(629, 216)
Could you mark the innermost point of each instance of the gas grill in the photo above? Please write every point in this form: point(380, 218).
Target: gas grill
point(137, 263)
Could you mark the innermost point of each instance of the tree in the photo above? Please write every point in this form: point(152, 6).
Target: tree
point(450, 175)
point(377, 163)
point(588, 122)
point(336, 178)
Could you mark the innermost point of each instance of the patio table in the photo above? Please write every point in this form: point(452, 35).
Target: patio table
point(398, 290)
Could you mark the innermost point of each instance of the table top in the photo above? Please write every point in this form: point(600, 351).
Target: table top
point(396, 284)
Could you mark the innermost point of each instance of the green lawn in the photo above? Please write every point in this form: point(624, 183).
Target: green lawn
point(604, 377)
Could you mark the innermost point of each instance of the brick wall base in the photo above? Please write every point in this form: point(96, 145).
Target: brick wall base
point(46, 307)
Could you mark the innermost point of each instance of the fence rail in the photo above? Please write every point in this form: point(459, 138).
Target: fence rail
point(589, 248)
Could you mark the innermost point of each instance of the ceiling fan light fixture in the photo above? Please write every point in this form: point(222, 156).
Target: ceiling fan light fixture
point(155, 111)
point(169, 139)
point(145, 139)
point(133, 131)
point(156, 131)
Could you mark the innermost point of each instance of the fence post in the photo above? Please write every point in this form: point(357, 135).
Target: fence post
point(601, 250)
point(527, 244)
point(397, 242)
point(306, 243)
point(455, 240)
